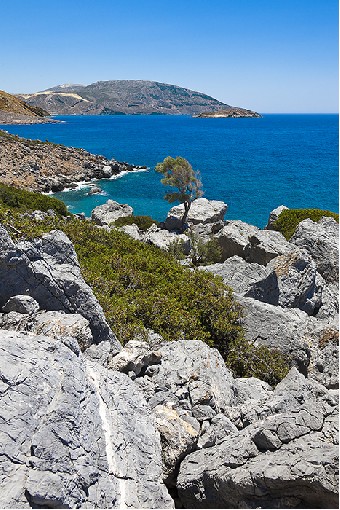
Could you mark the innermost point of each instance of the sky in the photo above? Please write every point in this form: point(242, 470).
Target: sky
point(272, 56)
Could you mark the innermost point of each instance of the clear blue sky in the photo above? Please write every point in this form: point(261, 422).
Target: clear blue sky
point(267, 55)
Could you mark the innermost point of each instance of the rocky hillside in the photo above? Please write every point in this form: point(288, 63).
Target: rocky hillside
point(45, 166)
point(87, 423)
point(15, 111)
point(123, 97)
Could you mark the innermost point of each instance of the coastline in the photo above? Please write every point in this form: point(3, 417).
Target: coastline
point(46, 167)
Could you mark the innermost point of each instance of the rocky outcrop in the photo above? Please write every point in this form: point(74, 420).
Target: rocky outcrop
point(47, 269)
point(110, 212)
point(45, 166)
point(234, 237)
point(73, 434)
point(164, 239)
point(283, 455)
point(321, 240)
point(265, 245)
point(15, 111)
point(202, 211)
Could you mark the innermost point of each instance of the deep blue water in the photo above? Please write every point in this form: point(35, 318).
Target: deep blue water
point(252, 164)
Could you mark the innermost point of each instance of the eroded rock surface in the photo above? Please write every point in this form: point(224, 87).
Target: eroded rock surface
point(73, 433)
point(47, 269)
point(110, 212)
point(202, 210)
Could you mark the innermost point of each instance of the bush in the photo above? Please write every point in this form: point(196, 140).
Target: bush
point(289, 219)
point(23, 200)
point(142, 222)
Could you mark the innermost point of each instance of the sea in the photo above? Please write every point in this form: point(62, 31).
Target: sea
point(252, 164)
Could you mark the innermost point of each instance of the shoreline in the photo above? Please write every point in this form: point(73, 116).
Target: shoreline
point(48, 167)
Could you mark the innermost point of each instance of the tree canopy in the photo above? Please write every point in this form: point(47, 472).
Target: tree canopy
point(178, 173)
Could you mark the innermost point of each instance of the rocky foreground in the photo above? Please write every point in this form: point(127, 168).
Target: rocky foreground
point(86, 423)
point(43, 166)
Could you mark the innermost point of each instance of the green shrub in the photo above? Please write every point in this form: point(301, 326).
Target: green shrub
point(290, 218)
point(142, 222)
point(23, 200)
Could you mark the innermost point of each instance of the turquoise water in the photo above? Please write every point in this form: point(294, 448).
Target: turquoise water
point(252, 164)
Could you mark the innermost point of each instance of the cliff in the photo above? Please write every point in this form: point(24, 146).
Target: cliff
point(123, 97)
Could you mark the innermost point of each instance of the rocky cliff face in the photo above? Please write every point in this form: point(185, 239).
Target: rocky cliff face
point(44, 166)
point(123, 97)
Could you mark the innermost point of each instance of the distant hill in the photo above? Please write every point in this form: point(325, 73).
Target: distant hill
point(123, 97)
point(14, 110)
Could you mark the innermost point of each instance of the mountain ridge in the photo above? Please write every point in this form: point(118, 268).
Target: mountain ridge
point(123, 97)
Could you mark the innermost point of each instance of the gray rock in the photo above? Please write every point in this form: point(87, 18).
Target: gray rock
point(135, 357)
point(321, 240)
point(201, 211)
point(164, 239)
point(73, 434)
point(273, 216)
point(21, 304)
point(110, 212)
point(133, 231)
point(234, 237)
point(265, 245)
point(238, 274)
point(47, 269)
point(277, 328)
point(291, 282)
point(286, 457)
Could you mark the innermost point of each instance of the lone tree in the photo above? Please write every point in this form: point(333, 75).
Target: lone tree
point(178, 173)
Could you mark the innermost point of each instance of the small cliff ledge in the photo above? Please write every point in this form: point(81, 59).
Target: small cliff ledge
point(232, 112)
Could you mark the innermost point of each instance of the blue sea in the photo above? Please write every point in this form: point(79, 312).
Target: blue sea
point(253, 165)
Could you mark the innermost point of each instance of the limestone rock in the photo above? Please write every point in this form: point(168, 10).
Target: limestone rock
point(238, 274)
point(321, 240)
point(285, 458)
point(47, 269)
point(291, 282)
point(273, 216)
point(73, 434)
point(132, 231)
point(265, 245)
point(277, 328)
point(164, 239)
point(110, 212)
point(21, 304)
point(234, 237)
point(202, 210)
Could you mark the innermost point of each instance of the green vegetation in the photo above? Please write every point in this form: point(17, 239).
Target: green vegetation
point(178, 173)
point(140, 286)
point(290, 218)
point(142, 222)
point(19, 199)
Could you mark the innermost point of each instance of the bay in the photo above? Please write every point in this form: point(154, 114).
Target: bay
point(252, 164)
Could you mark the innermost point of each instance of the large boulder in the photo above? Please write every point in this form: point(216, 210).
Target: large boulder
point(234, 237)
point(265, 245)
point(321, 240)
point(110, 212)
point(284, 456)
point(73, 434)
point(47, 269)
point(291, 282)
point(202, 210)
point(164, 239)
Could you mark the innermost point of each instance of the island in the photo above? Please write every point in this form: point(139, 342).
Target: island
point(232, 112)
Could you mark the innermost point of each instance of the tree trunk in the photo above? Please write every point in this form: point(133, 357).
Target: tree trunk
point(187, 205)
